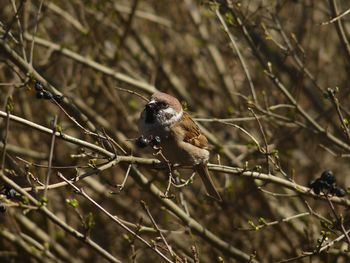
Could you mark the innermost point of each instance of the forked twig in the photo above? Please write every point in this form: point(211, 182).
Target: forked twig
point(145, 207)
point(114, 218)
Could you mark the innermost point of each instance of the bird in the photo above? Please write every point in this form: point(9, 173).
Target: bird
point(181, 140)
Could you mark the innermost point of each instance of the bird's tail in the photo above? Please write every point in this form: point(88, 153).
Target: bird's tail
point(203, 172)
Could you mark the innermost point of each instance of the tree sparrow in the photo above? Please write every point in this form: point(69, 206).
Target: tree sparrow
point(181, 140)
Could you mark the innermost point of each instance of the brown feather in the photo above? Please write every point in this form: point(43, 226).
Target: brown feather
point(203, 172)
point(192, 134)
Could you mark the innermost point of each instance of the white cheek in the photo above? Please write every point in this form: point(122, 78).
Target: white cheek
point(169, 111)
point(171, 116)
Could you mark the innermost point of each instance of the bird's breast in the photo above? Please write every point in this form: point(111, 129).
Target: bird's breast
point(180, 152)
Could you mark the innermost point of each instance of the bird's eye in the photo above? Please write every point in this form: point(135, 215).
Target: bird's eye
point(162, 105)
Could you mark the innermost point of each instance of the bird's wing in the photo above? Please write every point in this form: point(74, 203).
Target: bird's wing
point(192, 133)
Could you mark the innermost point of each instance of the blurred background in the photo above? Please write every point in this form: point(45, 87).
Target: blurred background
point(267, 81)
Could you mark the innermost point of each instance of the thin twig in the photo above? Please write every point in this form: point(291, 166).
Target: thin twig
point(14, 18)
point(144, 15)
point(67, 17)
point(339, 220)
point(340, 29)
point(133, 92)
point(276, 222)
point(127, 27)
point(114, 218)
point(335, 101)
point(121, 186)
point(34, 33)
point(241, 59)
point(141, 85)
point(21, 40)
point(145, 207)
point(60, 135)
point(264, 138)
point(3, 157)
point(334, 19)
point(68, 229)
point(52, 146)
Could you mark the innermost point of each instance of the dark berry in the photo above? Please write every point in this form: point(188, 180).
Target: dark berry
point(328, 177)
point(10, 193)
point(316, 185)
point(40, 95)
point(340, 192)
point(333, 189)
point(142, 142)
point(2, 208)
point(319, 183)
point(325, 185)
point(312, 183)
point(316, 189)
point(47, 95)
point(156, 141)
point(38, 86)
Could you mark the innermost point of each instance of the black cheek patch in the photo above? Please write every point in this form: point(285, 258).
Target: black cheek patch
point(150, 115)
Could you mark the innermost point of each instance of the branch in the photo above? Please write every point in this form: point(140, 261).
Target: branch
point(92, 64)
point(340, 29)
point(58, 221)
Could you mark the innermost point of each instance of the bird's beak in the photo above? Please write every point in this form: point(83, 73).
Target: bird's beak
point(150, 106)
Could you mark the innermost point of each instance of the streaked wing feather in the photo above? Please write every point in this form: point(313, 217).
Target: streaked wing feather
point(193, 134)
